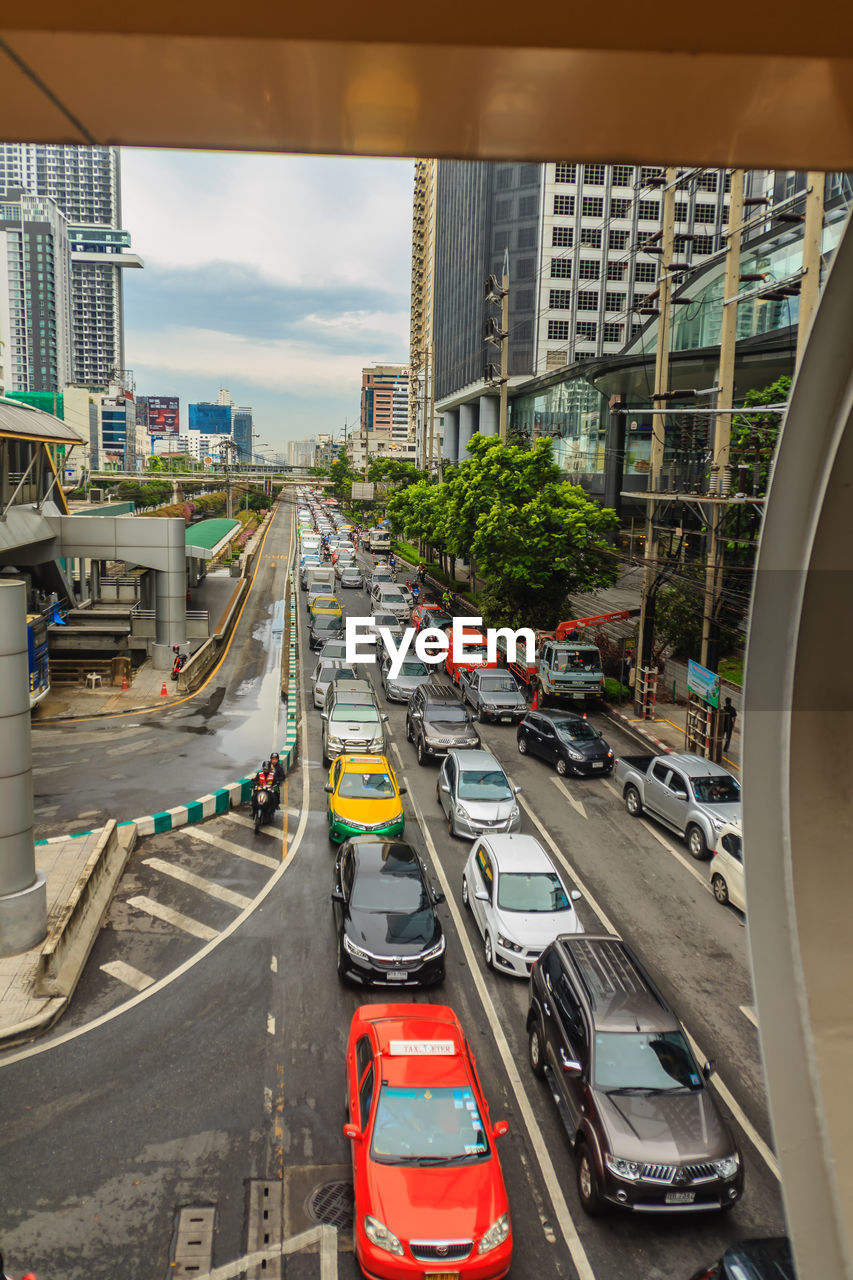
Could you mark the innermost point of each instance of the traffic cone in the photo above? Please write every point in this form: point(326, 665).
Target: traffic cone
point(124, 684)
point(164, 692)
point(534, 706)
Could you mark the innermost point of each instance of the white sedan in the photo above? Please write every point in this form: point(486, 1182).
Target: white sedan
point(517, 899)
point(327, 670)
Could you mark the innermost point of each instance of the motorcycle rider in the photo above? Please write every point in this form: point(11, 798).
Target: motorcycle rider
point(278, 776)
point(265, 777)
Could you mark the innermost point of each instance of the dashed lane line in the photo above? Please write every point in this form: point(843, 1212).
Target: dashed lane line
point(722, 1089)
point(262, 859)
point(210, 887)
point(549, 1173)
point(576, 804)
point(127, 974)
point(666, 844)
point(175, 918)
point(749, 1013)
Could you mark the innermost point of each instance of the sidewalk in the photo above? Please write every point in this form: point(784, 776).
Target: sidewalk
point(666, 731)
point(77, 876)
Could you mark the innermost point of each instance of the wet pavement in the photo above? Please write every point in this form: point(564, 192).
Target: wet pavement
point(122, 767)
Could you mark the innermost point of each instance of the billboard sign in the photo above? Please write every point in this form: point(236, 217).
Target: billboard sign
point(362, 490)
point(160, 414)
point(705, 684)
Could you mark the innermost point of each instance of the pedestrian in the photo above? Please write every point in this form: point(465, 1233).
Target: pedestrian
point(729, 715)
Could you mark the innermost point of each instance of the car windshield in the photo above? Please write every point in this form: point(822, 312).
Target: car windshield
point(429, 1126)
point(576, 660)
point(392, 597)
point(449, 713)
point(366, 786)
point(325, 602)
point(576, 730)
point(328, 622)
point(342, 673)
point(717, 790)
point(363, 712)
point(435, 618)
point(483, 784)
point(335, 649)
point(657, 1061)
point(532, 891)
point(386, 620)
point(400, 891)
point(473, 657)
point(497, 684)
point(413, 668)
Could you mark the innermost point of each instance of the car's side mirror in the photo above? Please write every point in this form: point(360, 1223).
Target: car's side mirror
point(501, 1129)
point(338, 895)
point(445, 787)
point(324, 715)
point(328, 787)
point(709, 1068)
point(482, 896)
point(576, 895)
point(516, 790)
point(437, 895)
point(353, 1132)
point(402, 788)
point(384, 719)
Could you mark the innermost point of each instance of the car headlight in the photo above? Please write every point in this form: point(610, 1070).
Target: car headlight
point(437, 950)
point(574, 755)
point(354, 950)
point(495, 1235)
point(727, 1167)
point(378, 1234)
point(375, 744)
point(514, 811)
point(337, 743)
point(718, 823)
point(628, 1169)
point(462, 812)
point(392, 686)
point(472, 742)
point(610, 755)
point(508, 943)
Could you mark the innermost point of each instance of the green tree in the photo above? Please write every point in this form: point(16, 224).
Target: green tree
point(678, 619)
point(342, 475)
point(394, 471)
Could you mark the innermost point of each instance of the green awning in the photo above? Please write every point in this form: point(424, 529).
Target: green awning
point(207, 538)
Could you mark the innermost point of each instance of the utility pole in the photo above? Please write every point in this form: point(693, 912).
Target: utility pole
point(650, 561)
point(225, 451)
point(720, 473)
point(812, 236)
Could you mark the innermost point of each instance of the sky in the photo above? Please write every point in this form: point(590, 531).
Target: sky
point(278, 277)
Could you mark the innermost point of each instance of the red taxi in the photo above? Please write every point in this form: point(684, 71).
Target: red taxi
point(430, 615)
point(475, 654)
point(430, 1199)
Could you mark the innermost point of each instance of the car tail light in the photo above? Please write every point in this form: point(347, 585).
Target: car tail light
point(712, 1273)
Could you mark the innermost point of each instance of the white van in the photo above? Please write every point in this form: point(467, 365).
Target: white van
point(320, 578)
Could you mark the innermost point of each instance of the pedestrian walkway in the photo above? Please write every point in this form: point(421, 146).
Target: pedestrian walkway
point(215, 595)
point(665, 732)
point(72, 701)
point(24, 1009)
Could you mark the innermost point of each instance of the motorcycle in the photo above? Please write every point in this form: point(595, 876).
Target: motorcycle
point(263, 804)
point(179, 662)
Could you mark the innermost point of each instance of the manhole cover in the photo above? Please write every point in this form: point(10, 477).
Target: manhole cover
point(332, 1203)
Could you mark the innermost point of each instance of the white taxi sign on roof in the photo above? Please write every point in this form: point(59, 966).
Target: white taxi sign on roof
point(422, 1048)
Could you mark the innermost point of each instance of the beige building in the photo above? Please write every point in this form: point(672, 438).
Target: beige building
point(421, 335)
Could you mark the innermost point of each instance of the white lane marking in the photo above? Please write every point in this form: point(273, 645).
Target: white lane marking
point(240, 818)
point(34, 1051)
point(749, 1013)
point(610, 787)
point(549, 1173)
point(127, 974)
point(175, 918)
point(573, 801)
point(267, 1101)
point(210, 887)
point(270, 1025)
point(262, 859)
point(274, 964)
point(649, 826)
point(724, 1092)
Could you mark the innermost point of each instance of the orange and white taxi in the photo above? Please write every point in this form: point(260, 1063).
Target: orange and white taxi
point(430, 1200)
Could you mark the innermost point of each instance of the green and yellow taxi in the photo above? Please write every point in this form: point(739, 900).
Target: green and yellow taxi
point(325, 604)
point(364, 798)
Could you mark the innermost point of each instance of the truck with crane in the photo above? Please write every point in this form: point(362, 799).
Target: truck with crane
point(567, 669)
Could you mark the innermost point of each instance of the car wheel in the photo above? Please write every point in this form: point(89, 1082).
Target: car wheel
point(488, 952)
point(721, 889)
point(522, 746)
point(481, 719)
point(422, 755)
point(562, 767)
point(588, 1192)
point(696, 844)
point(438, 793)
point(466, 901)
point(410, 737)
point(534, 1051)
point(633, 803)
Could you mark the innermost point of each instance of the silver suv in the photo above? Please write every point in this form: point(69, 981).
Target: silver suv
point(352, 720)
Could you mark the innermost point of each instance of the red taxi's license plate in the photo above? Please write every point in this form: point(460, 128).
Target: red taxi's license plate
point(680, 1197)
point(441, 1275)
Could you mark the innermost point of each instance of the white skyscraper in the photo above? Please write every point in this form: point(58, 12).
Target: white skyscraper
point(85, 183)
point(35, 295)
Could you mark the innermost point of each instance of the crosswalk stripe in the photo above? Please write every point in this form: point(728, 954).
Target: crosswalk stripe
point(262, 859)
point(209, 887)
point(176, 918)
point(127, 974)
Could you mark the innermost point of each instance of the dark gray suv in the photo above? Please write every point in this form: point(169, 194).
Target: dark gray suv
point(436, 720)
point(644, 1127)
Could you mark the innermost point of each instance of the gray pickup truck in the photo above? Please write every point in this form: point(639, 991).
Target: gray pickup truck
point(493, 695)
point(692, 796)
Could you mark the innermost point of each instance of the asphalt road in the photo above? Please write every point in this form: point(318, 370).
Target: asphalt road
point(87, 771)
point(232, 1069)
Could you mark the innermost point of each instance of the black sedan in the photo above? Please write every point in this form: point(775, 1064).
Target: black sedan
point(768, 1259)
point(325, 626)
point(567, 741)
point(388, 932)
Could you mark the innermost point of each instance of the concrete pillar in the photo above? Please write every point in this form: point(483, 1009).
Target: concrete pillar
point(96, 579)
point(451, 435)
point(23, 890)
point(469, 418)
point(170, 597)
point(490, 409)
